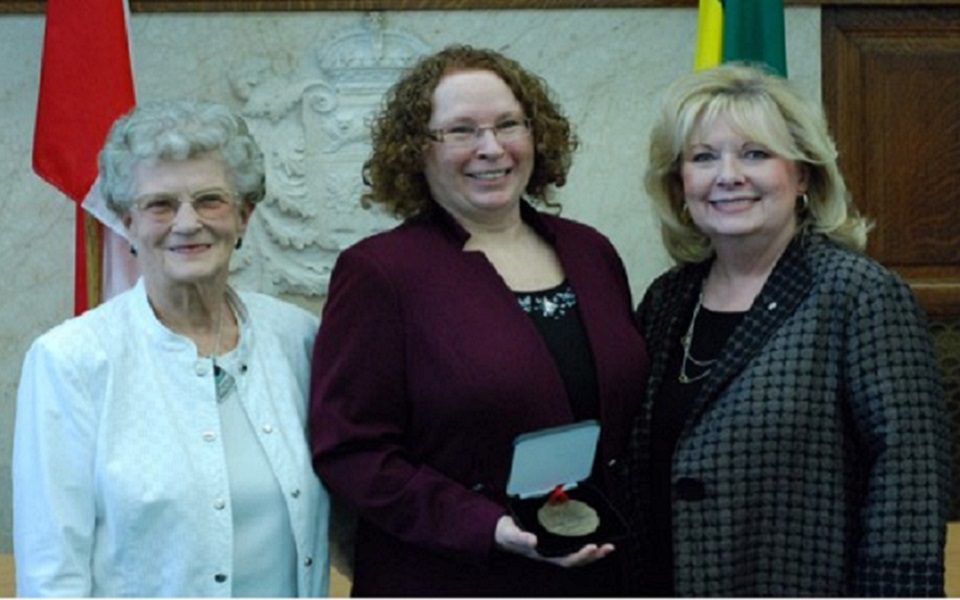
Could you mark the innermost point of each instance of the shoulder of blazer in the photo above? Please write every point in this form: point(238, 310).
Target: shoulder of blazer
point(413, 243)
point(828, 259)
point(557, 225)
point(668, 293)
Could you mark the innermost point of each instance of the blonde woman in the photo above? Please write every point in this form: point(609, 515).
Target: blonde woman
point(793, 440)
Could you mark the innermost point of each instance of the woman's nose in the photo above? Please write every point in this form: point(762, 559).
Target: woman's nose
point(489, 144)
point(731, 172)
point(186, 217)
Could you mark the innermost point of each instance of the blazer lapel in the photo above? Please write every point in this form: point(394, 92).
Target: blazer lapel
point(784, 290)
point(665, 336)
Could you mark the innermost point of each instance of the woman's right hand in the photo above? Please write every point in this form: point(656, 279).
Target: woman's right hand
point(510, 538)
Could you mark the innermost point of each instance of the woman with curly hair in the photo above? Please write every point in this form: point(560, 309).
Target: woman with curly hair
point(477, 319)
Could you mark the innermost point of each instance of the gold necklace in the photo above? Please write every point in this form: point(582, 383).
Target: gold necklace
point(686, 342)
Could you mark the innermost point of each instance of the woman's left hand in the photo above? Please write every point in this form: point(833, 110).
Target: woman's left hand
point(511, 538)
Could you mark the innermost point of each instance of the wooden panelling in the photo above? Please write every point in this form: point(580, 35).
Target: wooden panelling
point(8, 580)
point(891, 86)
point(339, 584)
point(952, 560)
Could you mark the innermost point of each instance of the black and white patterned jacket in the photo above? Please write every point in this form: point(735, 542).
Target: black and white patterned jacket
point(815, 458)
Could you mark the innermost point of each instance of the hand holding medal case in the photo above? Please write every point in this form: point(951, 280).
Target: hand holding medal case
point(548, 494)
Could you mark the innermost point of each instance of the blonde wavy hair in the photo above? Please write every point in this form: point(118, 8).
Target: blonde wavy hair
point(764, 108)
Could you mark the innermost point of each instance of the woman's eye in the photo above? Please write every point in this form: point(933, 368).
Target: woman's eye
point(210, 200)
point(756, 154)
point(462, 130)
point(702, 156)
point(160, 205)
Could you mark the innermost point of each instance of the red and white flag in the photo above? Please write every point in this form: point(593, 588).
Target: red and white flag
point(86, 82)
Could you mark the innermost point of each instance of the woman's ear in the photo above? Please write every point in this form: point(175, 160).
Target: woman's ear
point(246, 211)
point(803, 178)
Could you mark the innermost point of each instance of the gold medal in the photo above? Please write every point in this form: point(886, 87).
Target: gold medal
point(565, 517)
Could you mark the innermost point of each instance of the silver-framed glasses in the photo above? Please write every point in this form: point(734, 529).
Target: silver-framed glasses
point(468, 135)
point(209, 204)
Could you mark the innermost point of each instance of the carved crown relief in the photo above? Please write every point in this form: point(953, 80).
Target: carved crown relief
point(313, 128)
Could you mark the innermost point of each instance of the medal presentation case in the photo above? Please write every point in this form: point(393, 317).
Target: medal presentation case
point(548, 494)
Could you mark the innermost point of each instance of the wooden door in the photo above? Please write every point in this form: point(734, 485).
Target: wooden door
point(891, 87)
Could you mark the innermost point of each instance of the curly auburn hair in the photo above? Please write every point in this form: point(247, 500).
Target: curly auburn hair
point(394, 171)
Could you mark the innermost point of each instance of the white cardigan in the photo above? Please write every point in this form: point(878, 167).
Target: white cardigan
point(120, 480)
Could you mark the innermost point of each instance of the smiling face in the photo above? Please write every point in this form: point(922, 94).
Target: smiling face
point(737, 189)
point(483, 182)
point(190, 248)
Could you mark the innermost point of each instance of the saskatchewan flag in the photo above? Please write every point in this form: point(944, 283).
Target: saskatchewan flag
point(748, 30)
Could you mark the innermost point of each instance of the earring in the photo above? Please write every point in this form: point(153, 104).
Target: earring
point(804, 202)
point(239, 243)
point(133, 250)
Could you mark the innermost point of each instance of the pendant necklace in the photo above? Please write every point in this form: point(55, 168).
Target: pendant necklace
point(223, 381)
point(686, 342)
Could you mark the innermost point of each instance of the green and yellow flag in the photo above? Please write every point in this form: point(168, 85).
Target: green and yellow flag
point(748, 30)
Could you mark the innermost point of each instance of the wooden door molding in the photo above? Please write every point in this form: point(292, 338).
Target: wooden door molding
point(891, 88)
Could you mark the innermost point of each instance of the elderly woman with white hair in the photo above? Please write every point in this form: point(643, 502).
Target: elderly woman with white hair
point(160, 438)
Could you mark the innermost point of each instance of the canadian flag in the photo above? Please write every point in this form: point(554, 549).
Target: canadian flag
point(86, 83)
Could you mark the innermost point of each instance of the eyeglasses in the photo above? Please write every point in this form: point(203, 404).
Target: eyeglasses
point(468, 136)
point(209, 205)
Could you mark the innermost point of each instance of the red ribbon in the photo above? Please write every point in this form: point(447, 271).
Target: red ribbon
point(558, 496)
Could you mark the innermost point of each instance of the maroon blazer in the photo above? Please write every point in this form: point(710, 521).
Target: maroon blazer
point(425, 369)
